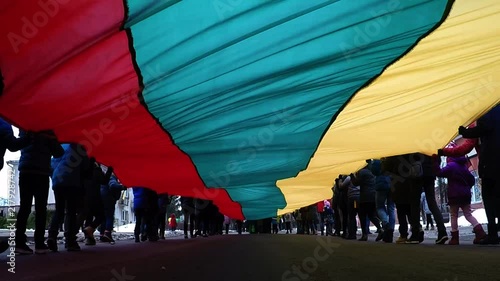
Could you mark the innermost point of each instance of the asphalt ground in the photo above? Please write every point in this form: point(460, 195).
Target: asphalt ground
point(259, 257)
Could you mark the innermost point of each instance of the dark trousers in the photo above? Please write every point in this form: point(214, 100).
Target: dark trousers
point(491, 201)
point(32, 186)
point(145, 223)
point(352, 208)
point(141, 220)
point(109, 205)
point(429, 220)
point(430, 196)
point(66, 212)
point(415, 194)
point(341, 217)
point(202, 223)
point(161, 221)
point(275, 228)
point(305, 226)
point(403, 213)
point(322, 222)
point(94, 214)
point(239, 226)
point(227, 228)
point(190, 218)
point(368, 210)
point(152, 219)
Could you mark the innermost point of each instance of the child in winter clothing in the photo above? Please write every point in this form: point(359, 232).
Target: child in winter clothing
point(172, 222)
point(460, 181)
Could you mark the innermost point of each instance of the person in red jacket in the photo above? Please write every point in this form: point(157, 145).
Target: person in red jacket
point(463, 149)
point(173, 222)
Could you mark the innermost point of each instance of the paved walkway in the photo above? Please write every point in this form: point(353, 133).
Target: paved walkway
point(260, 257)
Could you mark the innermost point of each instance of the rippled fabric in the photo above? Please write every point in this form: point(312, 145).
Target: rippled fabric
point(256, 105)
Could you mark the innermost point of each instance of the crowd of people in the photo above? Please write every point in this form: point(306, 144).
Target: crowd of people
point(403, 186)
point(86, 193)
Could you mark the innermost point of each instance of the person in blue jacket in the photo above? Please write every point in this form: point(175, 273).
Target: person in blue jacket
point(145, 209)
point(110, 193)
point(67, 183)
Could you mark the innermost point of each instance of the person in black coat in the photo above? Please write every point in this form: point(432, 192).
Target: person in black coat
point(163, 202)
point(34, 182)
point(93, 211)
point(188, 209)
point(365, 179)
point(488, 132)
point(10, 142)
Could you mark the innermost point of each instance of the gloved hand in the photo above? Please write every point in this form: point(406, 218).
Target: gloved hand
point(461, 130)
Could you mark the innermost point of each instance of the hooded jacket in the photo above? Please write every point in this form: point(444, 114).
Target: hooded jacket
point(366, 181)
point(460, 180)
point(68, 170)
point(36, 158)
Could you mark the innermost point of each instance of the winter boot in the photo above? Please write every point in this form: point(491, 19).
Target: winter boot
point(364, 237)
point(388, 236)
point(454, 238)
point(480, 234)
point(442, 237)
point(402, 239)
point(380, 235)
point(417, 236)
point(492, 237)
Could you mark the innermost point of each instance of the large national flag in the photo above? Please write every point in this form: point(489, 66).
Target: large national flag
point(255, 104)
